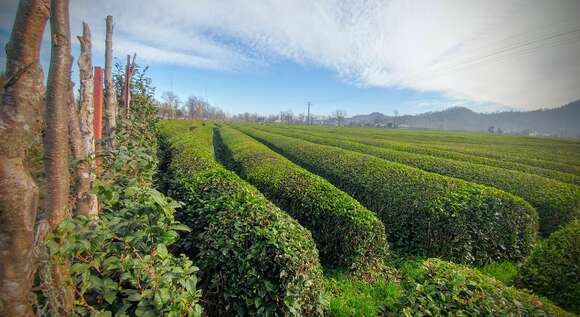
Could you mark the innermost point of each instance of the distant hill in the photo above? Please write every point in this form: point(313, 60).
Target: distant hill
point(563, 121)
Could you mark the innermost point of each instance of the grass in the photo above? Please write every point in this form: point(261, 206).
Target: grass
point(503, 271)
point(352, 297)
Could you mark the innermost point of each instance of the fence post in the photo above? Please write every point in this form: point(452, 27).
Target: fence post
point(98, 117)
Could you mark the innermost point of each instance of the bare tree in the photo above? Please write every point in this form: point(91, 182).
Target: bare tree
point(58, 94)
point(129, 72)
point(22, 96)
point(339, 115)
point(86, 92)
point(110, 94)
point(56, 115)
point(170, 104)
point(287, 116)
point(87, 201)
point(195, 107)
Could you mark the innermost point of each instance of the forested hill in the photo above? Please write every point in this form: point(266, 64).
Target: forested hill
point(563, 121)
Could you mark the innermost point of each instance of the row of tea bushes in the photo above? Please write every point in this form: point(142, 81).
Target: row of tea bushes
point(426, 214)
point(557, 203)
point(347, 234)
point(553, 268)
point(426, 150)
point(560, 155)
point(438, 288)
point(254, 259)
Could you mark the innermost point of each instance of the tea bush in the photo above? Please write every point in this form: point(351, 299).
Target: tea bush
point(426, 214)
point(553, 268)
point(553, 154)
point(254, 259)
point(119, 263)
point(367, 137)
point(347, 234)
point(556, 203)
point(439, 288)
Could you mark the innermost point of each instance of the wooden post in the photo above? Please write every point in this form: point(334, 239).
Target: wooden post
point(87, 201)
point(110, 94)
point(98, 118)
point(126, 86)
point(129, 71)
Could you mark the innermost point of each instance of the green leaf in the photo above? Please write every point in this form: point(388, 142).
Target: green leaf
point(110, 296)
point(162, 250)
point(135, 297)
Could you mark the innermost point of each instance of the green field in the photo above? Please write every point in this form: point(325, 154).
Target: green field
point(386, 222)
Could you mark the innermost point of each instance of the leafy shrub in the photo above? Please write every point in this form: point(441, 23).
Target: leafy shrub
point(553, 268)
point(439, 288)
point(120, 261)
point(556, 202)
point(426, 214)
point(254, 259)
point(347, 234)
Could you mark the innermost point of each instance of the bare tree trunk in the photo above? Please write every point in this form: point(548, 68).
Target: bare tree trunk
point(87, 201)
point(20, 119)
point(56, 142)
point(86, 92)
point(129, 71)
point(84, 201)
point(110, 95)
point(57, 100)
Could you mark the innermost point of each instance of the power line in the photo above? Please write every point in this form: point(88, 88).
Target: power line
point(504, 51)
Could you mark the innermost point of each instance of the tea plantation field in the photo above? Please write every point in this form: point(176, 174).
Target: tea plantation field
point(293, 220)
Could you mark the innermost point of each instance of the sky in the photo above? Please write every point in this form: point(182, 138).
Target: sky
point(360, 56)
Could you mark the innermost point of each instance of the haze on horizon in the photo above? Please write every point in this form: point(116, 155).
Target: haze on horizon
point(360, 56)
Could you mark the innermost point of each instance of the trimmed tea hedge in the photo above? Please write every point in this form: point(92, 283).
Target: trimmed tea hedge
point(426, 214)
point(253, 258)
point(557, 203)
point(426, 150)
point(554, 154)
point(440, 288)
point(553, 269)
point(347, 234)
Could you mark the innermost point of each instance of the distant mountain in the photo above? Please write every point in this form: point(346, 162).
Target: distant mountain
point(563, 121)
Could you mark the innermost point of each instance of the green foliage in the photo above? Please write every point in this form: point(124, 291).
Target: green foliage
point(426, 214)
point(141, 83)
point(435, 287)
point(556, 202)
point(504, 271)
point(432, 287)
point(121, 264)
point(347, 234)
point(544, 153)
point(553, 268)
point(254, 259)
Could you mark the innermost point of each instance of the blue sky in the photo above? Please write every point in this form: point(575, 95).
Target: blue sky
point(356, 55)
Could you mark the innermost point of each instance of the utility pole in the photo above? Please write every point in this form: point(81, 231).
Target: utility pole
point(308, 115)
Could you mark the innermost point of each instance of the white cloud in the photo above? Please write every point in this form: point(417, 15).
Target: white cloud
point(514, 53)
